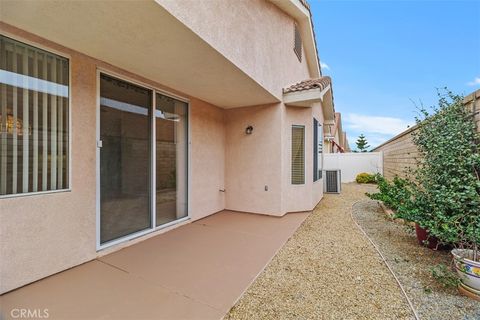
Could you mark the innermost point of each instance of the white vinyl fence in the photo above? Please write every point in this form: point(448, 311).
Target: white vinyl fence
point(353, 163)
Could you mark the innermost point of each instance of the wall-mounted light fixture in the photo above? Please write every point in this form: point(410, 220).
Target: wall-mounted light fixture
point(249, 130)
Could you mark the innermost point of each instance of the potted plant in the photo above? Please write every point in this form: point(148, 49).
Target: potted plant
point(446, 184)
point(397, 195)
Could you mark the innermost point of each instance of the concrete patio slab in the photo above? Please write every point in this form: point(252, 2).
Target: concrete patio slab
point(248, 223)
point(98, 291)
point(197, 271)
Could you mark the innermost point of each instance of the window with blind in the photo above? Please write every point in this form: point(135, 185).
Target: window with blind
point(298, 154)
point(317, 150)
point(34, 119)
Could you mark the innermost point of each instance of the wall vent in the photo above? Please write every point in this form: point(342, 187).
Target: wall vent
point(297, 47)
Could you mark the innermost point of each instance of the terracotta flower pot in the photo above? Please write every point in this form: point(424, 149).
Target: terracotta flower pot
point(425, 239)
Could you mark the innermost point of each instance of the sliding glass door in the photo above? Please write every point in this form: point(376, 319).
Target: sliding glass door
point(125, 165)
point(143, 160)
point(171, 132)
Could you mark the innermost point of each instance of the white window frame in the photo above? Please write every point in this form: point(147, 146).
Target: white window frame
point(70, 112)
point(153, 227)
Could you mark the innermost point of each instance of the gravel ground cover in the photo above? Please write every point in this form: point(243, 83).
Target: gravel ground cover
point(411, 264)
point(327, 270)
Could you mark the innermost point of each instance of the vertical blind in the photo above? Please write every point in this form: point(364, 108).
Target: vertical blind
point(34, 120)
point(298, 154)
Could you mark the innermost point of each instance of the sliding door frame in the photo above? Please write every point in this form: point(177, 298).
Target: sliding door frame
point(153, 158)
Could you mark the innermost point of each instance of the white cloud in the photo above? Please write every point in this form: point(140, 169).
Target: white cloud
point(376, 140)
point(325, 66)
point(475, 82)
point(375, 124)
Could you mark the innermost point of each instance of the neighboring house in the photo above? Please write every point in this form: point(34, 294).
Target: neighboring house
point(121, 120)
point(346, 145)
point(400, 153)
point(335, 138)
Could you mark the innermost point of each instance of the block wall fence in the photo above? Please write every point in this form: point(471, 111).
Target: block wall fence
point(400, 154)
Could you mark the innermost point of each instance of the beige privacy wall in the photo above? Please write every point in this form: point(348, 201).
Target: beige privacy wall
point(399, 153)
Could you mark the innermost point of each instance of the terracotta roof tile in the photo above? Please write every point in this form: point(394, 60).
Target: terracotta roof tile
point(320, 83)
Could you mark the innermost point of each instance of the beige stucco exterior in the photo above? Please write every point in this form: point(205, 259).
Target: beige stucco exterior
point(246, 29)
point(300, 197)
point(46, 233)
point(249, 168)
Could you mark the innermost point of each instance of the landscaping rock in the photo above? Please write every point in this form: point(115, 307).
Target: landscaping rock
point(411, 263)
point(327, 270)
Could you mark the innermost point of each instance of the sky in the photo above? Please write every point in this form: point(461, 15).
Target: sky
point(387, 56)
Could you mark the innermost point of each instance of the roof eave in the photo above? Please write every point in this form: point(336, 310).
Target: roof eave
point(305, 98)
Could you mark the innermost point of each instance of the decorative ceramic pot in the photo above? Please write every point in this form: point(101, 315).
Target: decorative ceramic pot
point(467, 269)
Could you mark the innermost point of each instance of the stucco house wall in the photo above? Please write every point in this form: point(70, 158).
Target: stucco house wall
point(253, 161)
point(300, 197)
point(246, 29)
point(47, 233)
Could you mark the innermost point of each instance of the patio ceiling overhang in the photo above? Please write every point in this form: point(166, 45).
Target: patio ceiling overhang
point(143, 38)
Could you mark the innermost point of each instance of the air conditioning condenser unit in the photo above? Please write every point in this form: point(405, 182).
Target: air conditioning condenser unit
point(332, 181)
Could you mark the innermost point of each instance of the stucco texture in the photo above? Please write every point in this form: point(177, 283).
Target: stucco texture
point(44, 234)
point(47, 233)
point(240, 30)
point(300, 197)
point(253, 182)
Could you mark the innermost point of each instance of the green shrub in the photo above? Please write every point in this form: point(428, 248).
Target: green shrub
point(396, 195)
point(365, 178)
point(445, 276)
point(447, 179)
point(444, 194)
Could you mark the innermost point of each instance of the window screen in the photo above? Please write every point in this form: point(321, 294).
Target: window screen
point(298, 154)
point(34, 125)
